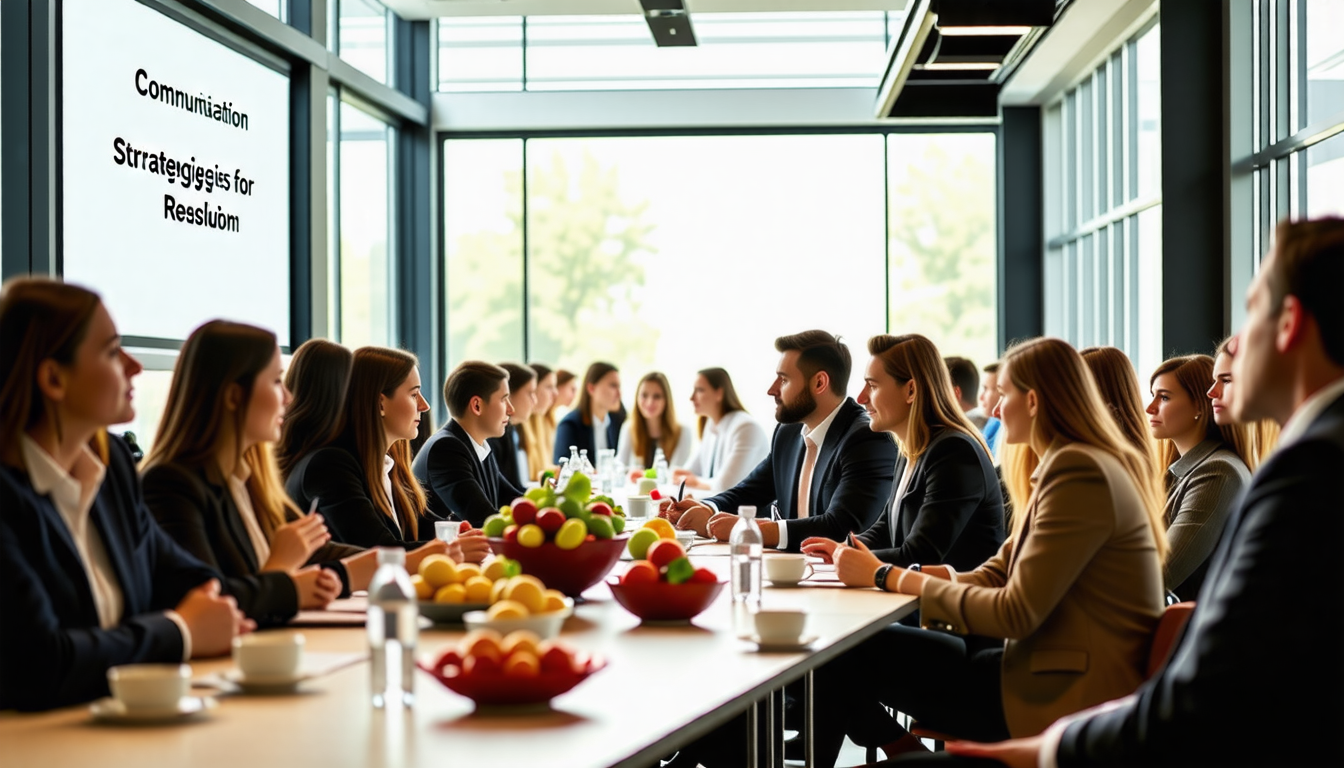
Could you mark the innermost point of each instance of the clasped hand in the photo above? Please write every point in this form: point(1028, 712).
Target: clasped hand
point(855, 566)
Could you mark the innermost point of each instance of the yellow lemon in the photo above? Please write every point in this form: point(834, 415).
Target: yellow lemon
point(507, 609)
point(663, 527)
point(478, 589)
point(439, 571)
point(451, 593)
point(555, 600)
point(526, 590)
point(497, 590)
point(467, 570)
point(494, 570)
point(422, 589)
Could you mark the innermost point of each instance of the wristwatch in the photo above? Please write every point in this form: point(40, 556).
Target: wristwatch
point(913, 567)
point(880, 577)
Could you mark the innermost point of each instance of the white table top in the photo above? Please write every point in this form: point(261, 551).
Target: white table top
point(663, 687)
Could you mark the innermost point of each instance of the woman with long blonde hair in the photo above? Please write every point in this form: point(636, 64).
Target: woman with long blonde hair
point(1203, 473)
point(362, 480)
point(1075, 591)
point(212, 482)
point(1119, 387)
point(651, 427)
point(540, 426)
point(1254, 442)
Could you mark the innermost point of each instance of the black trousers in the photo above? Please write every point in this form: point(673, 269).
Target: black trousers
point(941, 680)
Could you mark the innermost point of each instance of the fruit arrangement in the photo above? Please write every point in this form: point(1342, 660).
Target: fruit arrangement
point(518, 668)
point(567, 520)
point(653, 530)
point(665, 560)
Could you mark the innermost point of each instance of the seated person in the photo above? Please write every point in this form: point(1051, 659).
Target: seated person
point(88, 581)
point(732, 443)
point(966, 386)
point(989, 397)
point(653, 427)
point(458, 470)
point(511, 449)
point(317, 377)
point(595, 422)
point(828, 472)
point(362, 480)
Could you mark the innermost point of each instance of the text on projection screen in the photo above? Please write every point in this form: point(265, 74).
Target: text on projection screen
point(175, 173)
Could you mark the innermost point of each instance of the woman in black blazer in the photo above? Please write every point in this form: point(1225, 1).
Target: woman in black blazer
point(599, 404)
point(212, 482)
point(362, 480)
point(88, 581)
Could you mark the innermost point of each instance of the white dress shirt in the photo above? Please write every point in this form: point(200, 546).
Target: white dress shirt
point(73, 494)
point(600, 437)
point(243, 501)
point(390, 464)
point(729, 450)
point(817, 436)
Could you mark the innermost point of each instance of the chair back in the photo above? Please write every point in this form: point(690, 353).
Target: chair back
point(1169, 628)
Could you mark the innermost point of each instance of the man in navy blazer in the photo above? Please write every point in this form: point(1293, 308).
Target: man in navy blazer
point(456, 466)
point(848, 479)
point(1260, 645)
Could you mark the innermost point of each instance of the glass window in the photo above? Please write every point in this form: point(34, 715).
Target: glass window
point(1325, 178)
point(481, 53)
point(276, 8)
point(1149, 92)
point(363, 37)
point(483, 244)
point(333, 324)
point(365, 185)
point(1148, 354)
point(943, 241)
point(1324, 59)
point(151, 397)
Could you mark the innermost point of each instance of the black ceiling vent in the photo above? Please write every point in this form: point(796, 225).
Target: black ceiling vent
point(669, 22)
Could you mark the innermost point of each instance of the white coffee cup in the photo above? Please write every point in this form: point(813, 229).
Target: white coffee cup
point(149, 686)
point(446, 530)
point(783, 625)
point(787, 569)
point(269, 655)
point(637, 506)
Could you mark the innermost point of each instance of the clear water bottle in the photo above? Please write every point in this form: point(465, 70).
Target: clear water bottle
point(567, 468)
point(393, 624)
point(660, 467)
point(744, 546)
point(586, 466)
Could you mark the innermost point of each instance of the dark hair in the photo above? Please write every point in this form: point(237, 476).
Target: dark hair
point(318, 375)
point(596, 372)
point(563, 377)
point(819, 351)
point(1308, 263)
point(473, 378)
point(1193, 375)
point(543, 370)
point(915, 357)
point(718, 378)
point(641, 444)
point(40, 319)
point(992, 367)
point(380, 371)
point(964, 377)
point(519, 375)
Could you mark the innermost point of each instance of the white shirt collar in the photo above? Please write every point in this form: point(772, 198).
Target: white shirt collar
point(74, 490)
point(482, 449)
point(1310, 409)
point(818, 435)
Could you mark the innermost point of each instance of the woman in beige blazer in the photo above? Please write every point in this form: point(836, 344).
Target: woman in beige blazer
point(1075, 591)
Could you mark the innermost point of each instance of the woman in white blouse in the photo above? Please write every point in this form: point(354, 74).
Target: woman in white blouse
point(732, 443)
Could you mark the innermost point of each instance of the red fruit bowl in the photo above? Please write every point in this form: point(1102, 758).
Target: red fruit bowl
point(495, 689)
point(569, 570)
point(660, 601)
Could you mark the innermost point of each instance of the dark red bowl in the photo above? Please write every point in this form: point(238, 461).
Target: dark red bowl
point(499, 689)
point(660, 601)
point(569, 570)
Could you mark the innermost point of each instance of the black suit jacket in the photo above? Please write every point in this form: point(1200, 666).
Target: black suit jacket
point(1261, 644)
point(52, 651)
point(333, 476)
point(572, 431)
point(458, 485)
point(951, 511)
point(850, 482)
point(505, 453)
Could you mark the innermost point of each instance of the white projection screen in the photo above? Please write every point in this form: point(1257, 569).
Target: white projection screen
point(175, 173)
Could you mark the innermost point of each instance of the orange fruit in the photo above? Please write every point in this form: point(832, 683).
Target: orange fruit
point(522, 664)
point(467, 570)
point(507, 609)
point(494, 570)
point(663, 528)
point(555, 601)
point(477, 589)
point(521, 640)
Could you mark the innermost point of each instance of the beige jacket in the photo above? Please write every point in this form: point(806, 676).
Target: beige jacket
point(1078, 597)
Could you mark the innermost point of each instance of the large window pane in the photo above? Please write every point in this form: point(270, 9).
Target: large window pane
point(688, 252)
point(481, 53)
point(1324, 59)
point(274, 7)
point(483, 241)
point(1325, 178)
point(362, 34)
point(365, 222)
point(1149, 88)
point(942, 220)
point(1148, 354)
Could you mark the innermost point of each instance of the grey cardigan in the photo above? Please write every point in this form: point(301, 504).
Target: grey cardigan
point(1202, 485)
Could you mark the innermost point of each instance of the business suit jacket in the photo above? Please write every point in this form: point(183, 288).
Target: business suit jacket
point(1263, 640)
point(459, 485)
point(505, 453)
point(951, 511)
point(1203, 486)
point(1077, 592)
point(572, 431)
point(333, 475)
point(850, 482)
point(52, 650)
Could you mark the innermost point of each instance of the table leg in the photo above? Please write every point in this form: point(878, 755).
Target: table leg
point(753, 733)
point(777, 739)
point(808, 758)
point(770, 729)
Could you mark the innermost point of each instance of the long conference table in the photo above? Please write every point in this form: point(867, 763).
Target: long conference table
point(663, 687)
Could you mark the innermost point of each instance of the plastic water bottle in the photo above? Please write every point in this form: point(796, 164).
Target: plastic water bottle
point(660, 467)
point(744, 546)
point(393, 624)
point(568, 466)
point(586, 466)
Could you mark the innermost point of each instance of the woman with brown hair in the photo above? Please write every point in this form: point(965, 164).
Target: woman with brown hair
point(362, 480)
point(1254, 441)
point(1203, 473)
point(732, 443)
point(1075, 591)
point(212, 482)
point(595, 422)
point(539, 429)
point(653, 427)
point(88, 581)
point(1119, 387)
point(318, 375)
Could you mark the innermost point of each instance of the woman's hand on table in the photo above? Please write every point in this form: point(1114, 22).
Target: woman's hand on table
point(472, 546)
point(213, 620)
point(435, 547)
point(820, 546)
point(855, 566)
point(294, 543)
point(317, 587)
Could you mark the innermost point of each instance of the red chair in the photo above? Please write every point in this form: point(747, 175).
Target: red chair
point(1169, 627)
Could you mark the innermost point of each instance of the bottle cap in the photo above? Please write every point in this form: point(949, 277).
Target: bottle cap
point(747, 511)
point(391, 556)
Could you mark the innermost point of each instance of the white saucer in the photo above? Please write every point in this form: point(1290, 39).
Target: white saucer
point(784, 584)
point(801, 644)
point(111, 710)
point(264, 685)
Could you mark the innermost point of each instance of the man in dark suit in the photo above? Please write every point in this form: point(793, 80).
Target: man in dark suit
point(1259, 647)
point(508, 449)
point(456, 466)
point(828, 472)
